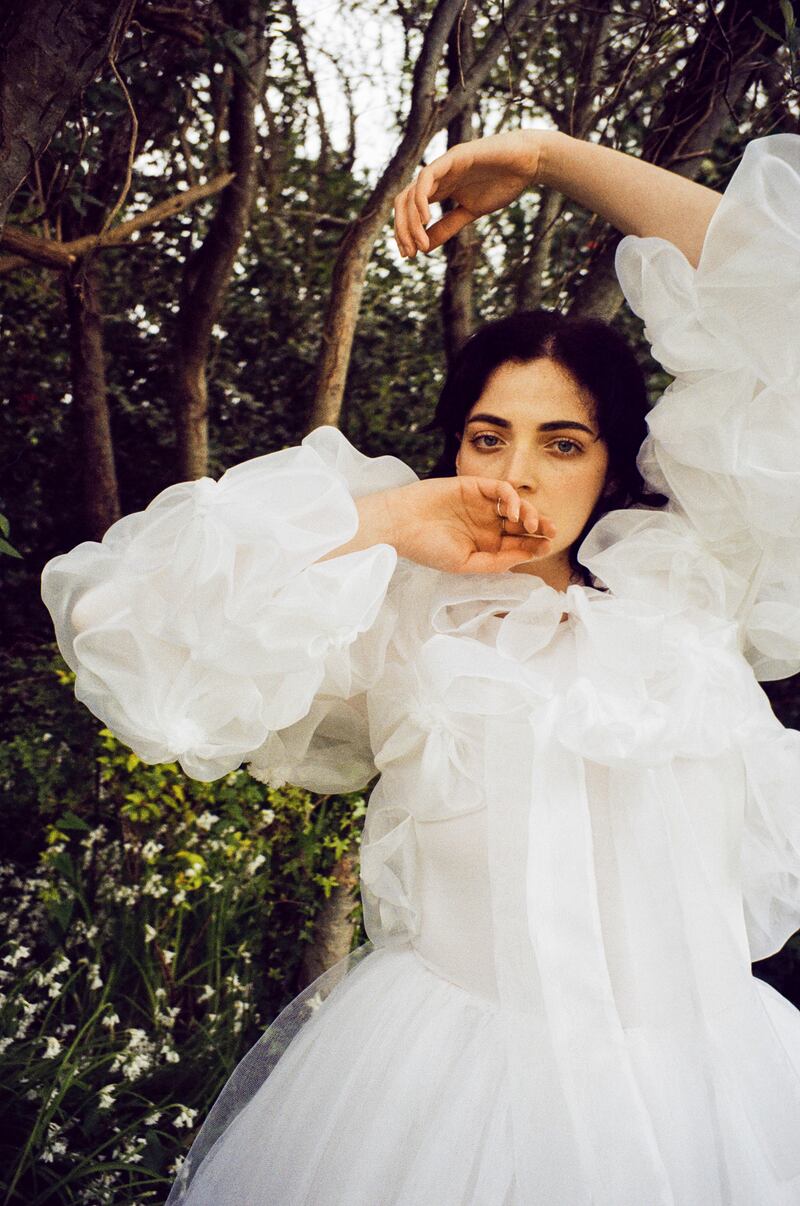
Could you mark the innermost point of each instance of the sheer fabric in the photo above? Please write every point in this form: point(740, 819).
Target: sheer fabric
point(586, 822)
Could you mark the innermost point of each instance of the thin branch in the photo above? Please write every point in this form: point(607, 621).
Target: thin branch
point(131, 149)
point(52, 254)
point(484, 61)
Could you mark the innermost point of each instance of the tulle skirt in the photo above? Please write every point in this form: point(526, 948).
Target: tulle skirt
point(386, 1085)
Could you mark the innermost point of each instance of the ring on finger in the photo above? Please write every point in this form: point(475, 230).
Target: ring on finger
point(502, 518)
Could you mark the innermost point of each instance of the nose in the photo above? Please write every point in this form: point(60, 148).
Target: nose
point(520, 471)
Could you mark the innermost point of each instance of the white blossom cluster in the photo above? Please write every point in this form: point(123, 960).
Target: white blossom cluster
point(42, 984)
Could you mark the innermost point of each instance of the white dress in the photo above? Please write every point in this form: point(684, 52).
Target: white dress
point(588, 818)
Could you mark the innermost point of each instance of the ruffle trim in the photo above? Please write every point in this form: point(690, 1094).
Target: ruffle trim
point(203, 625)
point(724, 439)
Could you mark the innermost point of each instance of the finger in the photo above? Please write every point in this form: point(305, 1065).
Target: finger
point(416, 231)
point(529, 516)
point(422, 192)
point(448, 225)
point(512, 503)
point(504, 559)
point(400, 225)
point(534, 522)
point(497, 491)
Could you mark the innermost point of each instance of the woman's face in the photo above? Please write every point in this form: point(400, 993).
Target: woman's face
point(533, 426)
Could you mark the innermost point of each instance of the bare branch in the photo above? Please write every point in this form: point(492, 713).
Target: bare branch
point(53, 254)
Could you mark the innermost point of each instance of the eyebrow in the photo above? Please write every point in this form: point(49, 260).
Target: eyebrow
point(553, 425)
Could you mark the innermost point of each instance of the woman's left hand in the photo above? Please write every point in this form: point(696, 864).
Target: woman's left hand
point(480, 177)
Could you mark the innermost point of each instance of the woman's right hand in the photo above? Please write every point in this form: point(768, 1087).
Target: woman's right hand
point(479, 177)
point(453, 524)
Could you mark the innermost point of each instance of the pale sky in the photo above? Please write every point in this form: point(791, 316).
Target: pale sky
point(370, 51)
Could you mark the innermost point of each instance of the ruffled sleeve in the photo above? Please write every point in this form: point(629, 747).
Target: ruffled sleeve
point(203, 630)
point(724, 439)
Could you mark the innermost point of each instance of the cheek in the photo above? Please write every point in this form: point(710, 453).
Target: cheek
point(583, 489)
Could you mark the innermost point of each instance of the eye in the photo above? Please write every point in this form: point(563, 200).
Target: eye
point(485, 435)
point(573, 448)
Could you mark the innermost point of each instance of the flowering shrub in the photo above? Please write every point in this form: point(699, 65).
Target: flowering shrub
point(160, 930)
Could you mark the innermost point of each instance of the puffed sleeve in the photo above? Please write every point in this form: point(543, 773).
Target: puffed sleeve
point(202, 630)
point(724, 439)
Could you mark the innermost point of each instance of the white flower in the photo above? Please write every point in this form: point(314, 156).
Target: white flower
point(267, 815)
point(94, 971)
point(106, 1097)
point(52, 1048)
point(149, 932)
point(179, 897)
point(168, 957)
point(95, 835)
point(171, 1015)
point(170, 1055)
point(5, 1043)
point(206, 994)
point(186, 1117)
point(154, 886)
point(206, 820)
point(110, 1020)
point(14, 957)
point(255, 863)
point(152, 1119)
point(150, 849)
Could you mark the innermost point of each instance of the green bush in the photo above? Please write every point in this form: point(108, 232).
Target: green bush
point(159, 930)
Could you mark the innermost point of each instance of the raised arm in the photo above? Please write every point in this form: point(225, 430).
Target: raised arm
point(484, 175)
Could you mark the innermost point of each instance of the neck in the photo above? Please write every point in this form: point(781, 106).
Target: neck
point(555, 571)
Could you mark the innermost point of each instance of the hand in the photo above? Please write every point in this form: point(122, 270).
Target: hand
point(452, 524)
point(480, 176)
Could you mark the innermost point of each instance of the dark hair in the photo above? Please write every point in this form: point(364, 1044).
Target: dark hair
point(599, 359)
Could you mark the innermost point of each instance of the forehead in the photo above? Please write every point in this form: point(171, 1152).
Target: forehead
point(533, 390)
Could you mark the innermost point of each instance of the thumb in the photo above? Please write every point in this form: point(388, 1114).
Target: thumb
point(449, 225)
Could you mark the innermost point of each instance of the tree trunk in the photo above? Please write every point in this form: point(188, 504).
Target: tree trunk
point(530, 289)
point(457, 302)
point(721, 64)
point(89, 398)
point(426, 117)
point(49, 51)
point(333, 928)
point(208, 269)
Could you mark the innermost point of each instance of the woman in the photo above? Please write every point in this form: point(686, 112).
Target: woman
point(586, 823)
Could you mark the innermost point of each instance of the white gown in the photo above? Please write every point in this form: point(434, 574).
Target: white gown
point(588, 818)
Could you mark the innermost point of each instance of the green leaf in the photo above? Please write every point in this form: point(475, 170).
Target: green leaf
point(63, 863)
point(62, 911)
point(71, 821)
point(767, 29)
point(8, 549)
